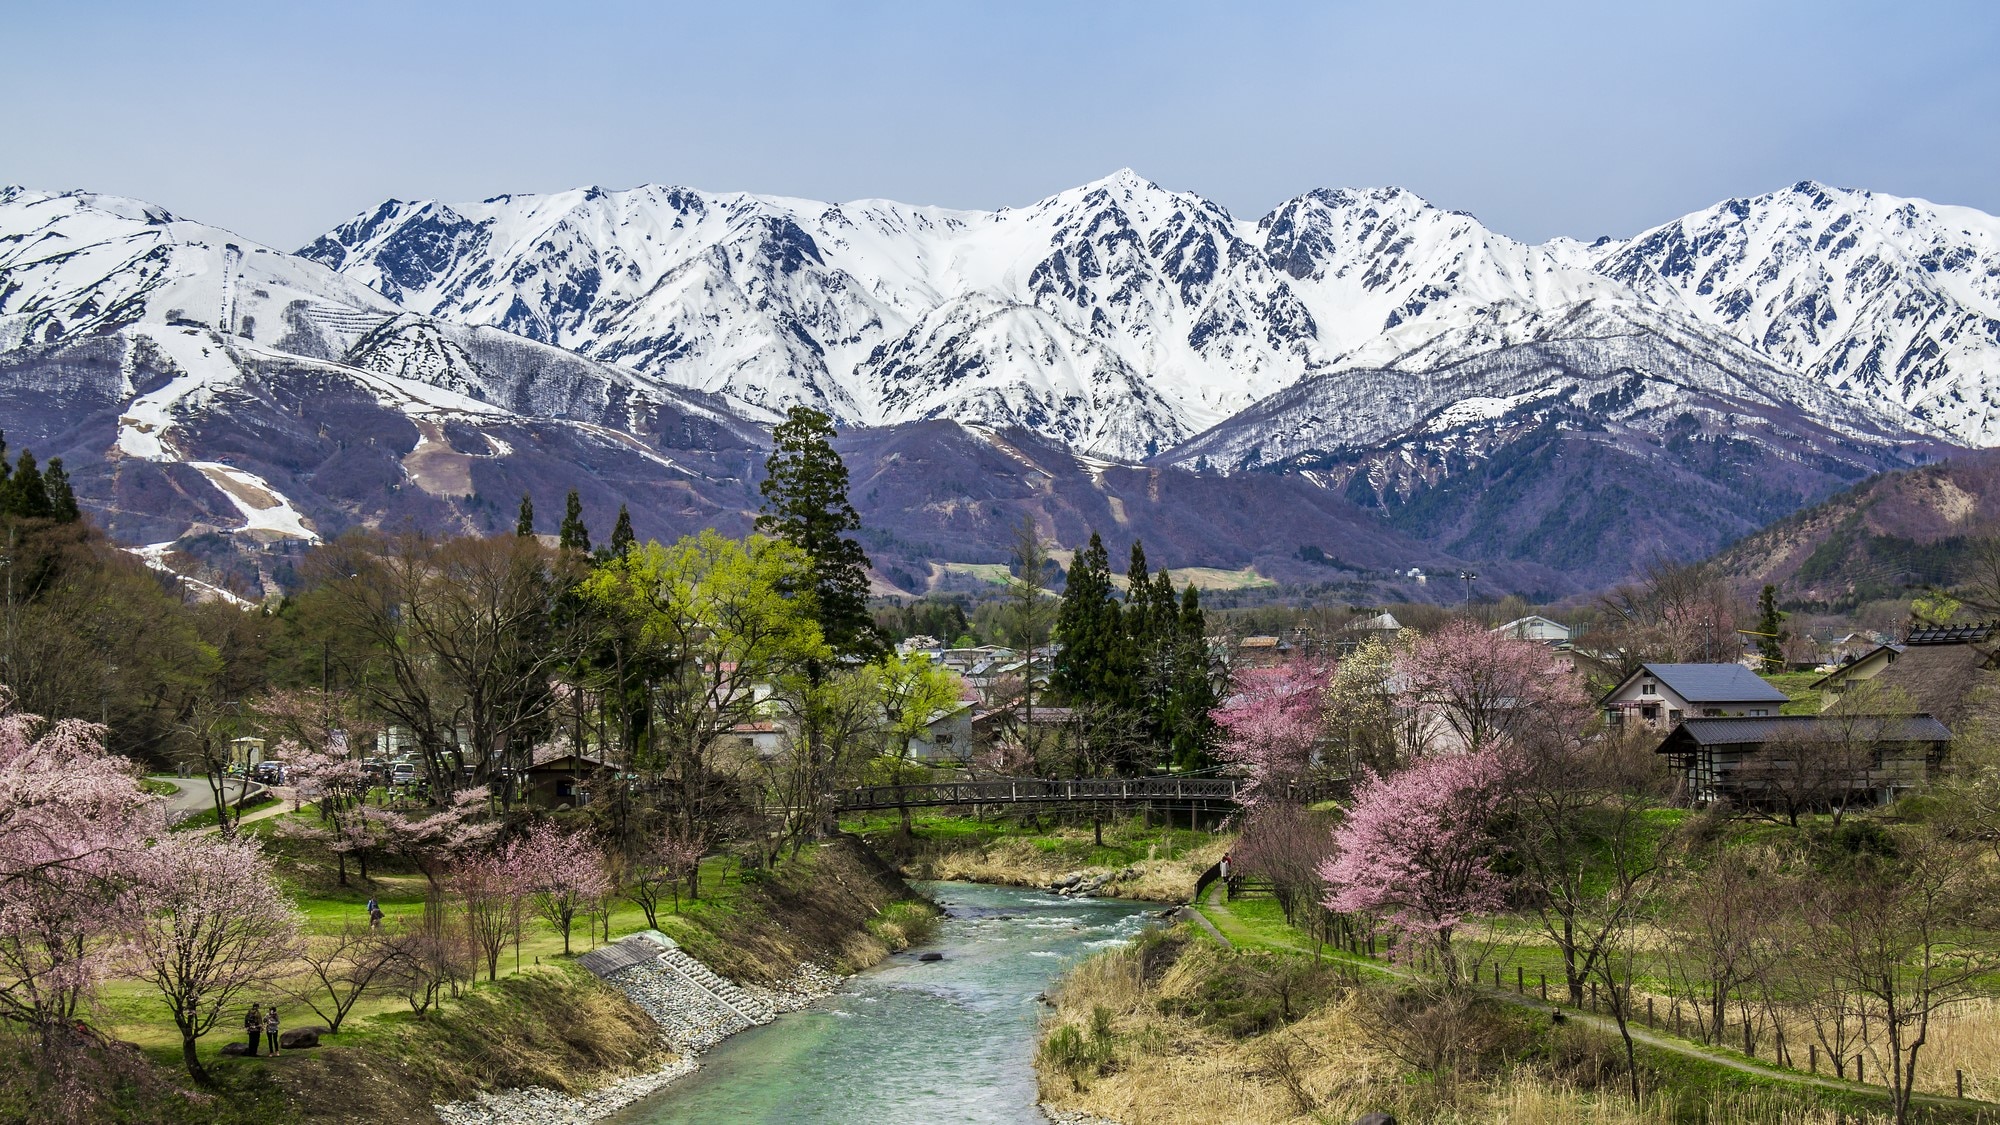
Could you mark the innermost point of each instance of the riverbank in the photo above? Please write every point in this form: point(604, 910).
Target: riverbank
point(1179, 1030)
point(950, 1038)
point(546, 1024)
point(1141, 860)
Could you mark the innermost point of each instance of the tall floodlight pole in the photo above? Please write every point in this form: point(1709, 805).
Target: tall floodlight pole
point(1468, 578)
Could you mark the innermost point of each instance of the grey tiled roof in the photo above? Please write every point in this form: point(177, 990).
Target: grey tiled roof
point(1810, 728)
point(1716, 683)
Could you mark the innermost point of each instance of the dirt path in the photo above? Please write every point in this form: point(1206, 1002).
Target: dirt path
point(1228, 922)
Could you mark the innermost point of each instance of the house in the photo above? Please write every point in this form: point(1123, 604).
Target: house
point(1669, 693)
point(1534, 627)
point(559, 776)
point(1859, 670)
point(947, 737)
point(1939, 672)
point(1260, 652)
point(1805, 759)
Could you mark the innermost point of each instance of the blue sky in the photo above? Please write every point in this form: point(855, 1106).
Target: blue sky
point(279, 120)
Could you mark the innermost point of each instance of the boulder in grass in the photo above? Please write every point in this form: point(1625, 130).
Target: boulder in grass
point(235, 1049)
point(1375, 1119)
point(931, 957)
point(301, 1037)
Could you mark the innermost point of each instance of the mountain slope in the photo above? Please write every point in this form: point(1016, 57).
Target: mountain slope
point(1612, 434)
point(1887, 299)
point(1878, 539)
point(1123, 318)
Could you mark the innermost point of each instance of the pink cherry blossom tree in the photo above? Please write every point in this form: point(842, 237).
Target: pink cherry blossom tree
point(214, 926)
point(1479, 689)
point(335, 785)
point(432, 840)
point(565, 872)
point(73, 823)
point(1415, 850)
point(1272, 724)
point(492, 885)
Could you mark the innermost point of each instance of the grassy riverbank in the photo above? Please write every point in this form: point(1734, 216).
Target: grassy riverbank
point(1017, 851)
point(1179, 1028)
point(544, 1021)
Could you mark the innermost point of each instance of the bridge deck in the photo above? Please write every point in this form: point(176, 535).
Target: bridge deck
point(1160, 790)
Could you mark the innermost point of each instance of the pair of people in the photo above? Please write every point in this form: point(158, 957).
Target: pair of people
point(374, 915)
point(265, 1021)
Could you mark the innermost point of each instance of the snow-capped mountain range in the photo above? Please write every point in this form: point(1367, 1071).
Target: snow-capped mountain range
point(1123, 318)
point(427, 363)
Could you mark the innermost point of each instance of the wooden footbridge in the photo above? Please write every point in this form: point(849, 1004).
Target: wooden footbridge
point(1182, 792)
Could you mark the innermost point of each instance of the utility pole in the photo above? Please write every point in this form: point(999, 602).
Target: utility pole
point(1468, 578)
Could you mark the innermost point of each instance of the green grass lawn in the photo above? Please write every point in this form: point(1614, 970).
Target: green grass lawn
point(132, 1011)
point(1798, 685)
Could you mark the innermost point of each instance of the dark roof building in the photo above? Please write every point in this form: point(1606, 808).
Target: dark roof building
point(1805, 760)
point(1671, 692)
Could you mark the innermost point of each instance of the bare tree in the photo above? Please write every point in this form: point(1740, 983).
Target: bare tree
point(1809, 769)
point(464, 640)
point(1913, 935)
point(340, 969)
point(1582, 842)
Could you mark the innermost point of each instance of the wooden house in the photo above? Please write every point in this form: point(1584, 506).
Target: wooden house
point(1811, 759)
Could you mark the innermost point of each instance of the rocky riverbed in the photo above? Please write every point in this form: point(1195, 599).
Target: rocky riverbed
point(692, 1016)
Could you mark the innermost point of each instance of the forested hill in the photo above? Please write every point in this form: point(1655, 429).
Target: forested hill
point(1895, 530)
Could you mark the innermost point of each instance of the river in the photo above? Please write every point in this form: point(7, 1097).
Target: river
point(909, 1040)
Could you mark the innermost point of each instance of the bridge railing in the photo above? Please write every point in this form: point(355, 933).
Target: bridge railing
point(1022, 790)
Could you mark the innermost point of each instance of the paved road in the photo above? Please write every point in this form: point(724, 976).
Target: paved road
point(193, 797)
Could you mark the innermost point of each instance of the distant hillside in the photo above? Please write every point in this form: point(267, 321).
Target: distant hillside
point(1899, 529)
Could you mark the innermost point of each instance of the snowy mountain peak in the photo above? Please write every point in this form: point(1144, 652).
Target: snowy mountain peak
point(1050, 314)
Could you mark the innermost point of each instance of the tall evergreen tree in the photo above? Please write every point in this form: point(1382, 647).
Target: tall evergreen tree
point(62, 500)
point(1770, 627)
point(1191, 730)
point(575, 536)
point(621, 535)
point(1092, 666)
point(805, 504)
point(524, 525)
point(27, 494)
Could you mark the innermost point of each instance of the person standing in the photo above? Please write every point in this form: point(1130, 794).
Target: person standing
point(271, 1027)
point(253, 1022)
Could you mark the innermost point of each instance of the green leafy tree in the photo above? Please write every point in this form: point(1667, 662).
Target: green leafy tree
point(805, 504)
point(574, 536)
point(524, 525)
point(718, 619)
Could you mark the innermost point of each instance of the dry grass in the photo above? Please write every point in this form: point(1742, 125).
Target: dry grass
point(1968, 1039)
point(1020, 862)
point(1164, 1069)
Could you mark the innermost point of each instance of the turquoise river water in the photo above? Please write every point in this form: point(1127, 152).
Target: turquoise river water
point(911, 1041)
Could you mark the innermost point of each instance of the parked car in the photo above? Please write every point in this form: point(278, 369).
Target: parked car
point(402, 773)
point(268, 773)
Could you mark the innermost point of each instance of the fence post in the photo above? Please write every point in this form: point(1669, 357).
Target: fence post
point(1812, 1056)
point(1649, 1013)
point(1961, 1082)
point(1749, 1044)
point(1520, 980)
point(1857, 1071)
point(1545, 986)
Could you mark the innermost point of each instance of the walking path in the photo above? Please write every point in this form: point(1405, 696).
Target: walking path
point(1227, 921)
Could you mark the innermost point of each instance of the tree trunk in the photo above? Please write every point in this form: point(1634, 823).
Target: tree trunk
point(193, 1061)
